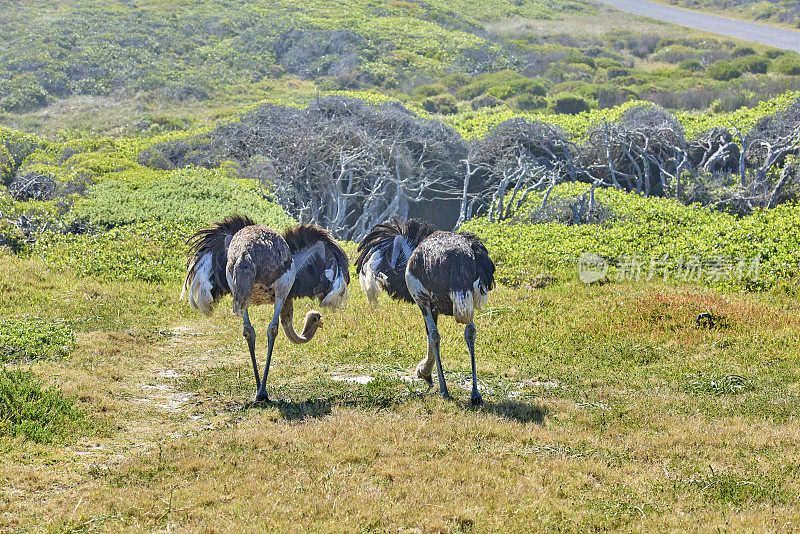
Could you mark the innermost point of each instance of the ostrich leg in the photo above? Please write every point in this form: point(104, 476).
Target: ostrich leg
point(249, 334)
point(282, 287)
point(425, 366)
point(433, 341)
point(469, 337)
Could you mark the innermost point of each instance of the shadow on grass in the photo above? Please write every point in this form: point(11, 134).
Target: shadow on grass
point(310, 409)
point(296, 410)
point(316, 398)
point(318, 408)
point(517, 411)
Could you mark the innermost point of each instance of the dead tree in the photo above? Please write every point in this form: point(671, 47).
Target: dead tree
point(516, 158)
point(339, 163)
point(715, 150)
point(644, 152)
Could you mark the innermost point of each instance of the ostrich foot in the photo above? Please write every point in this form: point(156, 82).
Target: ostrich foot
point(261, 396)
point(475, 399)
point(427, 378)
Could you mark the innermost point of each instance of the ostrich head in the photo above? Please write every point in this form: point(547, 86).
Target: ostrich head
point(312, 323)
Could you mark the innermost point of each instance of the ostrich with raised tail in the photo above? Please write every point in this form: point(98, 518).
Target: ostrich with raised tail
point(444, 273)
point(257, 265)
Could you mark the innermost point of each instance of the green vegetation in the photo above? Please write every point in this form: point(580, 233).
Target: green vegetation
point(724, 71)
point(34, 338)
point(33, 411)
point(198, 195)
point(647, 231)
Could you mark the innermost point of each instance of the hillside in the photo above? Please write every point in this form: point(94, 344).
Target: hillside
point(137, 68)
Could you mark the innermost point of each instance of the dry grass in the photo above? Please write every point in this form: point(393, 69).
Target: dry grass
point(597, 416)
point(583, 24)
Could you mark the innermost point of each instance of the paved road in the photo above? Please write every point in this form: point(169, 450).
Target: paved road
point(749, 31)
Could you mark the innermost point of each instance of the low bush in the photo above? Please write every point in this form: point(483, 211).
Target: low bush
point(724, 71)
point(485, 101)
point(691, 65)
point(743, 51)
point(675, 54)
point(788, 65)
point(198, 195)
point(34, 339)
point(442, 104)
point(529, 102)
point(570, 104)
point(152, 251)
point(424, 91)
point(31, 410)
point(616, 72)
point(753, 64)
point(758, 249)
point(503, 84)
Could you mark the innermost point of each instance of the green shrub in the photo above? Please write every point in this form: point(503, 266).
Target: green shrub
point(616, 72)
point(153, 251)
point(22, 93)
point(724, 71)
point(570, 104)
point(773, 53)
point(753, 64)
point(15, 147)
point(33, 411)
point(579, 59)
point(675, 54)
point(606, 63)
point(788, 65)
point(424, 91)
point(502, 84)
point(198, 195)
point(34, 339)
point(443, 104)
point(485, 101)
point(742, 51)
point(691, 65)
point(454, 81)
point(652, 228)
point(529, 102)
point(11, 236)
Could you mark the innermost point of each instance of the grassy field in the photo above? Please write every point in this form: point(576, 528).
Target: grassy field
point(608, 408)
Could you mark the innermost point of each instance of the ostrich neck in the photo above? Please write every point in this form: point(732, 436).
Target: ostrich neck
point(287, 314)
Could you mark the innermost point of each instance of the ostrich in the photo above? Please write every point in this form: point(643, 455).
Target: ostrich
point(444, 273)
point(258, 266)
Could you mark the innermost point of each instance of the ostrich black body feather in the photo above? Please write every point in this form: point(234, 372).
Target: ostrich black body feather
point(257, 265)
point(319, 276)
point(448, 263)
point(376, 250)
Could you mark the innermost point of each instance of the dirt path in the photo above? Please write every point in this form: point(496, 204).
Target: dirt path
point(749, 31)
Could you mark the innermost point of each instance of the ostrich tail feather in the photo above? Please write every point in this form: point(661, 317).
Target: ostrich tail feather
point(463, 306)
point(198, 285)
point(205, 281)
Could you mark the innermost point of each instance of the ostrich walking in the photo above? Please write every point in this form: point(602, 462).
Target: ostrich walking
point(444, 273)
point(259, 266)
